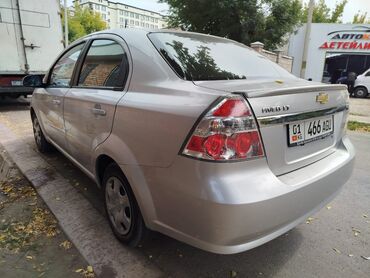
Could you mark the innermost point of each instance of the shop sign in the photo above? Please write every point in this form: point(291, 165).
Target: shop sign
point(348, 40)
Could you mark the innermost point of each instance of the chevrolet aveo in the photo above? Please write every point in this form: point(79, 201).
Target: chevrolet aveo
point(195, 136)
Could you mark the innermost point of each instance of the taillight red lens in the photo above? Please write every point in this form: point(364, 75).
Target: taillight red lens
point(214, 145)
point(243, 144)
point(195, 144)
point(232, 108)
point(227, 132)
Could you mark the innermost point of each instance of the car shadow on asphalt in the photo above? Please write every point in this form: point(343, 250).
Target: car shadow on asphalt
point(182, 260)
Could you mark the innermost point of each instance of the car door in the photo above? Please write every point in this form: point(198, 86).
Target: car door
point(50, 104)
point(89, 106)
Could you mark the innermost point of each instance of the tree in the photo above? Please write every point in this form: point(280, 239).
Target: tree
point(83, 21)
point(359, 18)
point(245, 21)
point(323, 14)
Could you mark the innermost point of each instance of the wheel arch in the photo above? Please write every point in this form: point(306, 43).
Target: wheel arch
point(137, 182)
point(361, 86)
point(101, 164)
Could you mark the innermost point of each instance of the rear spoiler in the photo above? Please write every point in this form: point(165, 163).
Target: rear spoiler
point(294, 90)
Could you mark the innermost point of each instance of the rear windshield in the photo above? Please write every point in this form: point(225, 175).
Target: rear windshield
point(199, 57)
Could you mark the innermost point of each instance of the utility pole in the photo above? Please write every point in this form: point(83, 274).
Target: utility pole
point(311, 6)
point(65, 24)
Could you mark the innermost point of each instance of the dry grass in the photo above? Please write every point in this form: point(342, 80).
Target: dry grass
point(358, 126)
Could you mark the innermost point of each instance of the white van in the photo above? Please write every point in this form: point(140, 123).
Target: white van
point(362, 85)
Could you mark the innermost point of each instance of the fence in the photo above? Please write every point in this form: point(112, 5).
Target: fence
point(285, 61)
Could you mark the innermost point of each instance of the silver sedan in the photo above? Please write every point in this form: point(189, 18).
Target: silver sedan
point(195, 136)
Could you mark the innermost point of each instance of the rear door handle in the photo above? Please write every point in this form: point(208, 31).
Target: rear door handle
point(56, 101)
point(97, 111)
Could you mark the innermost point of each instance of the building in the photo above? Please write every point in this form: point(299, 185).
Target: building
point(334, 50)
point(119, 15)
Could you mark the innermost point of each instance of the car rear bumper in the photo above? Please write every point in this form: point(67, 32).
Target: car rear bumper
point(232, 207)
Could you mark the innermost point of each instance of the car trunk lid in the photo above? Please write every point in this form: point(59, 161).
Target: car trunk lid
point(281, 105)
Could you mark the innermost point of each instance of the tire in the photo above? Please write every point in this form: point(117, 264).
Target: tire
point(360, 92)
point(42, 145)
point(121, 208)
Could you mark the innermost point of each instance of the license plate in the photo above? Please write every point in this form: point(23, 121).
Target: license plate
point(311, 130)
point(17, 83)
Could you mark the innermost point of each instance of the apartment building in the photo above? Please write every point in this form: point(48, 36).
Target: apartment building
point(120, 15)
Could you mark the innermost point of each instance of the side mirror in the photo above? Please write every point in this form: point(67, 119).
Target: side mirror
point(32, 81)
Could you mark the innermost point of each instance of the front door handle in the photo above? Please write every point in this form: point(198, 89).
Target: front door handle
point(56, 101)
point(98, 111)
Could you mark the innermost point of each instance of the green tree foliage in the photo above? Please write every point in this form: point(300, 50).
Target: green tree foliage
point(359, 18)
point(245, 21)
point(323, 14)
point(83, 21)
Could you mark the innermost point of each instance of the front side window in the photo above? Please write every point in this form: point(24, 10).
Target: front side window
point(105, 65)
point(368, 73)
point(200, 57)
point(61, 74)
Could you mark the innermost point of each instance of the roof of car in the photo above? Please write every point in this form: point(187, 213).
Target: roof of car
point(134, 32)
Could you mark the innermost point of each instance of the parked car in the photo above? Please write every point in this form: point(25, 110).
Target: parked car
point(194, 136)
point(362, 85)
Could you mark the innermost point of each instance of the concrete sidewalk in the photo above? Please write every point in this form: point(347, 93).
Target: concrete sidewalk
point(359, 110)
point(31, 242)
point(86, 228)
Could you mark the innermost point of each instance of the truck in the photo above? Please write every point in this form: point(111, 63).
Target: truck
point(31, 37)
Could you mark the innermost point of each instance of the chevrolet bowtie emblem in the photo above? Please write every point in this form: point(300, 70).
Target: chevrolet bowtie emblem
point(322, 98)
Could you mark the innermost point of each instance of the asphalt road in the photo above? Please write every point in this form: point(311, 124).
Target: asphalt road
point(333, 244)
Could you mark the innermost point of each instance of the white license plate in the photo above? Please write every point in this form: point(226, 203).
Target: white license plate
point(17, 83)
point(311, 130)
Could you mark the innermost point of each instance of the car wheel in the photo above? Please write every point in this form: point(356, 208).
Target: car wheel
point(360, 92)
point(42, 145)
point(121, 208)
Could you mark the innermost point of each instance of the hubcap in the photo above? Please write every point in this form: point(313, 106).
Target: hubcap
point(361, 92)
point(118, 205)
point(37, 131)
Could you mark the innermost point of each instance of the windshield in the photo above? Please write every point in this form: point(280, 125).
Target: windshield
point(199, 57)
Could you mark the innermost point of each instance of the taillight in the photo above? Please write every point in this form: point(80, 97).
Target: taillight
point(227, 132)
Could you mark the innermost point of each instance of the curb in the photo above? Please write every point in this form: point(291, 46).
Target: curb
point(7, 167)
point(86, 228)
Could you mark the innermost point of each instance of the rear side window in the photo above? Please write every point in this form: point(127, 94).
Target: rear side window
point(105, 65)
point(63, 69)
point(200, 57)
